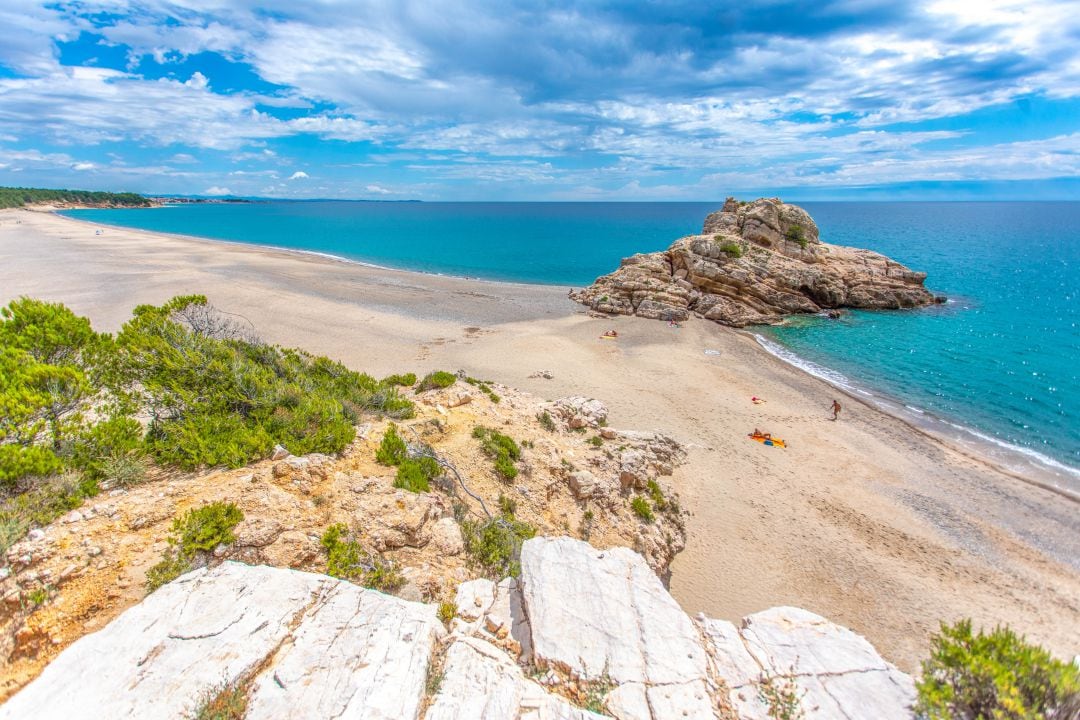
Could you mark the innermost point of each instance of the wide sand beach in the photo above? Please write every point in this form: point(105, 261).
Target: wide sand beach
point(867, 520)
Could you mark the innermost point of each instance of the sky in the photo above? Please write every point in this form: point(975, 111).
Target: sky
point(544, 100)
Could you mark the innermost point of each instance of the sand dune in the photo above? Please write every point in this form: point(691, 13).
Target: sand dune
point(867, 521)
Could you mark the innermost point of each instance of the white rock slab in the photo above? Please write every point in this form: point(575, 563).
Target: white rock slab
point(604, 614)
point(160, 657)
point(356, 654)
point(481, 683)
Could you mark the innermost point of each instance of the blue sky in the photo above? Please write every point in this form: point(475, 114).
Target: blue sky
point(545, 100)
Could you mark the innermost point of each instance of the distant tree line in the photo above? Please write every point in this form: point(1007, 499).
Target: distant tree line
point(19, 197)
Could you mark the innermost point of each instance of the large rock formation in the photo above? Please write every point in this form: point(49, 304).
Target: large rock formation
point(753, 263)
point(583, 630)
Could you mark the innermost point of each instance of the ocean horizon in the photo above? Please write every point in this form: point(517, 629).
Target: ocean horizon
point(992, 368)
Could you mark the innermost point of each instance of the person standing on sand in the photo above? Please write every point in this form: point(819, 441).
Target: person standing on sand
point(835, 410)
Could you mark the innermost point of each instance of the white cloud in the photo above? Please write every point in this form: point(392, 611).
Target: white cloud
point(83, 166)
point(378, 190)
point(217, 191)
point(299, 175)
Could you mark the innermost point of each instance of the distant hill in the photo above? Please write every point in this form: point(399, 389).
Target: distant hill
point(20, 197)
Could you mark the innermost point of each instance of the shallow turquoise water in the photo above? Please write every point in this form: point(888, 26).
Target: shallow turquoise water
point(1001, 357)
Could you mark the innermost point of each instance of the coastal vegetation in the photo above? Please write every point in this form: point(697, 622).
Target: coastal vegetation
point(347, 559)
point(996, 675)
point(180, 384)
point(12, 197)
point(502, 450)
point(194, 534)
point(436, 380)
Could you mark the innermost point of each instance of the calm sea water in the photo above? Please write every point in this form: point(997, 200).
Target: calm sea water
point(1000, 359)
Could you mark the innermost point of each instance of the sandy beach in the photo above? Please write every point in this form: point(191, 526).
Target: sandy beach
point(866, 520)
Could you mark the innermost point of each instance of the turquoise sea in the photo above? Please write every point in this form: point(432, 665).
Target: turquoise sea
point(996, 367)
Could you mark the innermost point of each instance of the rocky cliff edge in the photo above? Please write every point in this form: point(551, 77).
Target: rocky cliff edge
point(753, 263)
point(583, 633)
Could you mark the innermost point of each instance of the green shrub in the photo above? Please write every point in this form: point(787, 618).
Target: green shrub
point(641, 508)
point(660, 503)
point(199, 530)
point(546, 422)
point(347, 559)
point(392, 450)
point(507, 506)
point(123, 471)
point(596, 441)
point(436, 379)
point(730, 248)
point(416, 474)
point(796, 234)
point(97, 448)
point(997, 676)
point(494, 546)
point(406, 380)
point(500, 448)
point(39, 504)
point(447, 611)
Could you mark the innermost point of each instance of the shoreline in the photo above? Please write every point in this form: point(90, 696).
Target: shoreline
point(1045, 477)
point(882, 529)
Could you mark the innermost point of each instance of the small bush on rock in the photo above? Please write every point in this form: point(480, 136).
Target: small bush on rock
point(436, 379)
point(730, 248)
point(348, 560)
point(494, 546)
point(199, 530)
point(796, 234)
point(545, 421)
point(997, 676)
point(416, 474)
point(500, 448)
point(641, 508)
point(406, 380)
point(392, 450)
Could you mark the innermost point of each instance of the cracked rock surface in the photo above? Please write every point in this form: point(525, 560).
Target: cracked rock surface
point(581, 628)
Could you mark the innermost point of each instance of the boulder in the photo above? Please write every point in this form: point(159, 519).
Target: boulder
point(580, 412)
point(474, 598)
point(754, 263)
point(446, 535)
point(584, 484)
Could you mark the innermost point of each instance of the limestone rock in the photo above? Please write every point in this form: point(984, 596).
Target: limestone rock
point(584, 484)
point(838, 674)
point(279, 453)
point(446, 535)
point(309, 645)
point(753, 264)
point(481, 683)
point(604, 614)
point(580, 412)
point(474, 598)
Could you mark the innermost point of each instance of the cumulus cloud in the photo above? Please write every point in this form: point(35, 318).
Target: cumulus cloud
point(299, 175)
point(596, 96)
point(217, 191)
point(83, 166)
point(378, 190)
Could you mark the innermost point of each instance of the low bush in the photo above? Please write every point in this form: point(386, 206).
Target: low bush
point(348, 560)
point(996, 675)
point(41, 501)
point(199, 530)
point(416, 474)
point(392, 450)
point(545, 421)
point(447, 611)
point(501, 449)
point(660, 503)
point(494, 546)
point(641, 508)
point(796, 234)
point(436, 379)
point(596, 441)
point(406, 380)
point(732, 249)
point(507, 506)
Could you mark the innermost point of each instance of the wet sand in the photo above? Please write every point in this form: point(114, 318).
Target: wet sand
point(866, 520)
